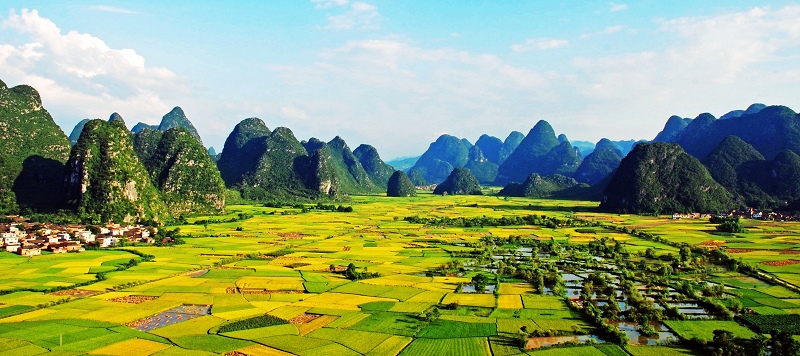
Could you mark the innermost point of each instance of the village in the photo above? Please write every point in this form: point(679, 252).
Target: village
point(748, 213)
point(30, 239)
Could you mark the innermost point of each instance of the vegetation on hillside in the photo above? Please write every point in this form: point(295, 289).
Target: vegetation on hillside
point(662, 178)
point(106, 181)
point(33, 150)
point(400, 185)
point(459, 182)
point(185, 174)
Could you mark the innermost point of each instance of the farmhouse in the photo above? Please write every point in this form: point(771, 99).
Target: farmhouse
point(30, 250)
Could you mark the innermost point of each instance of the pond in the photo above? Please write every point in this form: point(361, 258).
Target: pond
point(471, 289)
point(632, 330)
point(690, 309)
point(172, 316)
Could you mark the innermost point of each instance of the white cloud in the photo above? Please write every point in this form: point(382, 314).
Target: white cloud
point(539, 44)
point(716, 64)
point(360, 15)
point(325, 4)
point(79, 75)
point(410, 91)
point(606, 31)
point(617, 7)
point(119, 10)
point(293, 112)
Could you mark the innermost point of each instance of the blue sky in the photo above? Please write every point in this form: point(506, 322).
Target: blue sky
point(397, 74)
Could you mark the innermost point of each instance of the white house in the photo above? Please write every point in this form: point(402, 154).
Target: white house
point(9, 239)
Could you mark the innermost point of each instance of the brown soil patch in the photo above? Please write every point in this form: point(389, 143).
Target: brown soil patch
point(780, 263)
point(133, 299)
point(712, 243)
point(304, 318)
point(740, 250)
point(297, 265)
point(236, 353)
point(264, 291)
point(77, 293)
point(789, 252)
point(197, 273)
point(291, 235)
point(346, 248)
point(232, 290)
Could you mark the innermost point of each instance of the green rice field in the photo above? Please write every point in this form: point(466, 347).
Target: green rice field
point(211, 294)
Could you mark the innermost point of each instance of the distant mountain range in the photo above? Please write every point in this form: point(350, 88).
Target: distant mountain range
point(745, 158)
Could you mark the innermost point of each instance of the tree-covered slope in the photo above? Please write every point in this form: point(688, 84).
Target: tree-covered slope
point(352, 177)
point(116, 117)
point(185, 174)
point(76, 132)
point(141, 126)
point(769, 184)
point(532, 155)
point(177, 118)
point(490, 147)
point(280, 167)
point(673, 127)
point(599, 164)
point(106, 180)
point(33, 150)
point(509, 145)
point(770, 130)
point(536, 186)
point(242, 149)
point(724, 161)
point(662, 178)
point(378, 171)
point(459, 182)
point(145, 143)
point(446, 153)
point(400, 185)
point(481, 167)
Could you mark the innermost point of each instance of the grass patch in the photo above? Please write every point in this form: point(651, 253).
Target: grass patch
point(444, 329)
point(448, 347)
point(704, 329)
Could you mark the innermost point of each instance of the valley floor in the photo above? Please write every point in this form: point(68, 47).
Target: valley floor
point(271, 281)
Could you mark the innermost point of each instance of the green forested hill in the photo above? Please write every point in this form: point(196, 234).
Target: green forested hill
point(185, 174)
point(378, 171)
point(662, 178)
point(400, 185)
point(459, 182)
point(536, 186)
point(33, 150)
point(145, 143)
point(177, 118)
point(105, 181)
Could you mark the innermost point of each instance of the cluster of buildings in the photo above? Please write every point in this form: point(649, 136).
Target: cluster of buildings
point(30, 239)
point(749, 213)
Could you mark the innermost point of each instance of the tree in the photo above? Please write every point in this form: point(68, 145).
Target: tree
point(782, 343)
point(433, 314)
point(479, 281)
point(731, 226)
